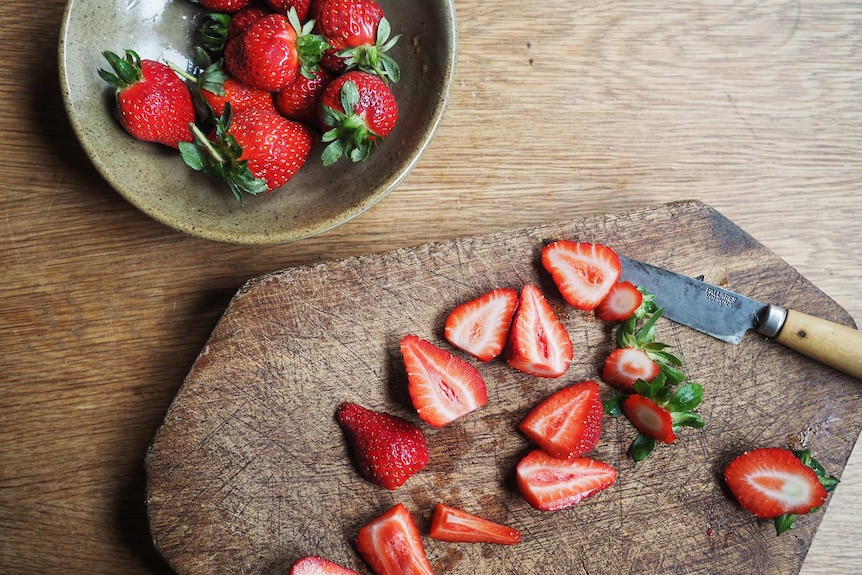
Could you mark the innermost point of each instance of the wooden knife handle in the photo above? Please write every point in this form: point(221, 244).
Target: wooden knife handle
point(829, 343)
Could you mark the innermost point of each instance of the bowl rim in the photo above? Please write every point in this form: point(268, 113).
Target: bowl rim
point(269, 237)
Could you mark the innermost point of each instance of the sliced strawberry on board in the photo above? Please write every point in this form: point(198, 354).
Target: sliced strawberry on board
point(442, 387)
point(776, 483)
point(387, 449)
point(625, 365)
point(538, 344)
point(314, 565)
point(551, 484)
point(648, 418)
point(584, 272)
point(457, 526)
point(622, 301)
point(568, 423)
point(481, 326)
point(392, 545)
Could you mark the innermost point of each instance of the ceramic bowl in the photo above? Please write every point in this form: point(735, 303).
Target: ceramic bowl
point(153, 177)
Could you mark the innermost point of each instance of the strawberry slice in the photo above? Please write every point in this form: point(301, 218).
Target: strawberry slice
point(625, 365)
point(480, 326)
point(584, 272)
point(568, 423)
point(648, 418)
point(392, 545)
point(457, 526)
point(551, 484)
point(387, 449)
point(442, 387)
point(776, 483)
point(538, 343)
point(314, 565)
point(622, 301)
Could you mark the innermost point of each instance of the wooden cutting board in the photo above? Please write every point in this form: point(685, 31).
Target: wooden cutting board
point(249, 470)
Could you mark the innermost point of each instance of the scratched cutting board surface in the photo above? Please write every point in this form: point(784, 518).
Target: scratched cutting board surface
point(249, 470)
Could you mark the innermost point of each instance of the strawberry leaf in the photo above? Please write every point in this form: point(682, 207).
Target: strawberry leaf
point(686, 398)
point(687, 419)
point(784, 522)
point(641, 447)
point(613, 406)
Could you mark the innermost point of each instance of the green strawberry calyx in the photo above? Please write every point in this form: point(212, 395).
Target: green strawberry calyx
point(309, 46)
point(350, 136)
point(373, 58)
point(126, 71)
point(829, 483)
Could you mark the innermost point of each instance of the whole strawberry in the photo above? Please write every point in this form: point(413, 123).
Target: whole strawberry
point(358, 34)
point(153, 103)
point(272, 51)
point(300, 100)
point(388, 450)
point(358, 110)
point(253, 151)
point(227, 6)
point(301, 6)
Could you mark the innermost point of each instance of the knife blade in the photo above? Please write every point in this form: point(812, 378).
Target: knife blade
point(727, 315)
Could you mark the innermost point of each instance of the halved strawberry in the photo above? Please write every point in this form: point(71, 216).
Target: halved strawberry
point(568, 423)
point(314, 565)
point(457, 526)
point(648, 418)
point(442, 387)
point(387, 449)
point(481, 326)
point(551, 484)
point(584, 272)
point(775, 483)
point(625, 365)
point(538, 344)
point(392, 545)
point(621, 303)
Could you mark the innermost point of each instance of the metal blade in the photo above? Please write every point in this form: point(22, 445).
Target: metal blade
point(701, 306)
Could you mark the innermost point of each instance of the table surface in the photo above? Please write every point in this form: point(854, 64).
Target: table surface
point(566, 111)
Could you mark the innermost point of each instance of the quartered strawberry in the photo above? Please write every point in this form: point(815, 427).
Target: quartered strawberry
point(314, 565)
point(442, 387)
point(457, 526)
point(648, 418)
point(152, 103)
point(387, 449)
point(622, 301)
point(568, 423)
point(776, 483)
point(538, 343)
point(481, 326)
point(391, 544)
point(584, 272)
point(551, 484)
point(625, 365)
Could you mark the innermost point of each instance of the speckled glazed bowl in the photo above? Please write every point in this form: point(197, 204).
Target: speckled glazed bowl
point(153, 177)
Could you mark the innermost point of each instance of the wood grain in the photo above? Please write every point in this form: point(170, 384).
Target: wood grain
point(249, 470)
point(571, 110)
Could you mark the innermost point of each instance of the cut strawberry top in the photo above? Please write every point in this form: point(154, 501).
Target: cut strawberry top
point(480, 326)
point(539, 344)
point(568, 423)
point(625, 365)
point(621, 303)
point(771, 481)
point(392, 545)
point(648, 418)
point(584, 272)
point(551, 484)
point(457, 526)
point(442, 387)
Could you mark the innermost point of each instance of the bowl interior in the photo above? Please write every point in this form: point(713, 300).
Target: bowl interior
point(153, 177)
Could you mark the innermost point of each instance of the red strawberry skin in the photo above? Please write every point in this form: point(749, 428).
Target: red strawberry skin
point(481, 326)
point(771, 481)
point(377, 106)
point(264, 56)
point(568, 423)
point(314, 565)
point(584, 272)
point(240, 96)
point(300, 99)
point(227, 6)
point(648, 418)
point(282, 6)
point(387, 449)
point(538, 343)
point(442, 387)
point(457, 526)
point(550, 484)
point(275, 147)
point(625, 365)
point(242, 20)
point(346, 24)
point(391, 544)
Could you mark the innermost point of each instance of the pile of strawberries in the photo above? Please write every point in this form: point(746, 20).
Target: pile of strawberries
point(520, 325)
point(272, 79)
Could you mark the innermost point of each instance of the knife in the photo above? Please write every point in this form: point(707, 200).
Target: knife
point(727, 316)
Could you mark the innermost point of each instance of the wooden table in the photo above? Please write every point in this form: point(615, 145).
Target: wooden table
point(571, 109)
